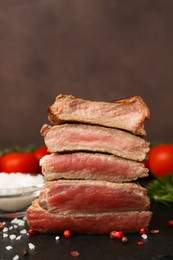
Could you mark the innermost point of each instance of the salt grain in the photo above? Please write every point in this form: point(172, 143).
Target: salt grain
point(144, 236)
point(18, 180)
point(5, 235)
point(5, 229)
point(15, 226)
point(9, 247)
point(31, 246)
point(18, 237)
point(23, 231)
point(15, 257)
point(19, 222)
point(57, 238)
point(10, 228)
point(12, 237)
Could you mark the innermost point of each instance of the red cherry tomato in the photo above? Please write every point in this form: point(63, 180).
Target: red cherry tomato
point(40, 152)
point(0, 163)
point(161, 160)
point(24, 162)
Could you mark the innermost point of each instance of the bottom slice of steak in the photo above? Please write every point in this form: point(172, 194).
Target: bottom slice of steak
point(93, 196)
point(97, 223)
point(93, 166)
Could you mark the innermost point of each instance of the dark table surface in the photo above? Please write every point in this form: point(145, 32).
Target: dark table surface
point(156, 246)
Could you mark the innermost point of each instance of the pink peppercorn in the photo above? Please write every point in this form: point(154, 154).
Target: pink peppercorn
point(140, 243)
point(31, 232)
point(67, 233)
point(116, 234)
point(143, 231)
point(170, 222)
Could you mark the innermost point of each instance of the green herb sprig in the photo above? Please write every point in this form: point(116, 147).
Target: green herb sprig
point(161, 189)
point(17, 148)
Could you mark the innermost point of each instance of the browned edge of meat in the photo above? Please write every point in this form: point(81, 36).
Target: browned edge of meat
point(128, 114)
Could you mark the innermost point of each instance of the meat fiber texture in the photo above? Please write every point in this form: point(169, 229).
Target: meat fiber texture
point(127, 114)
point(91, 166)
point(97, 149)
point(79, 137)
point(92, 196)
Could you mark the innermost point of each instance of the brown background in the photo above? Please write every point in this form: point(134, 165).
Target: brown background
point(95, 49)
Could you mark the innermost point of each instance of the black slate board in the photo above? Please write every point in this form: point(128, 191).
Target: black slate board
point(157, 246)
point(97, 247)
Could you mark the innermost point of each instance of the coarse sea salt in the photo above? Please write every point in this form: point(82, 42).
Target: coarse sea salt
point(57, 238)
point(18, 180)
point(5, 229)
point(23, 231)
point(16, 257)
point(13, 236)
point(31, 246)
point(144, 236)
point(18, 237)
point(18, 190)
point(17, 221)
point(9, 247)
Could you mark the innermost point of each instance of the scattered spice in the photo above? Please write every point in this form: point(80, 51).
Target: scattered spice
point(31, 232)
point(155, 231)
point(116, 234)
point(124, 239)
point(67, 233)
point(74, 253)
point(140, 243)
point(170, 222)
point(143, 231)
point(24, 252)
point(1, 225)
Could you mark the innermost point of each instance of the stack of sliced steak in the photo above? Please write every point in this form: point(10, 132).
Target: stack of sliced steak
point(97, 149)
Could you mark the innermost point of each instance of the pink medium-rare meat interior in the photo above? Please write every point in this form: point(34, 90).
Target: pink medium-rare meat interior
point(93, 196)
point(78, 137)
point(82, 165)
point(98, 223)
point(128, 114)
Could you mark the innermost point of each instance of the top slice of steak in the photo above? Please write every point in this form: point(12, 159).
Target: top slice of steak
point(78, 137)
point(127, 114)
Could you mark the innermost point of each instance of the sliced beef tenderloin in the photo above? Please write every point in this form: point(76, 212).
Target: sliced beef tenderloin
point(91, 166)
point(127, 114)
point(79, 137)
point(86, 223)
point(92, 196)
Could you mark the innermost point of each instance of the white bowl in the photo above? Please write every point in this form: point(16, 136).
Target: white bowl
point(14, 201)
